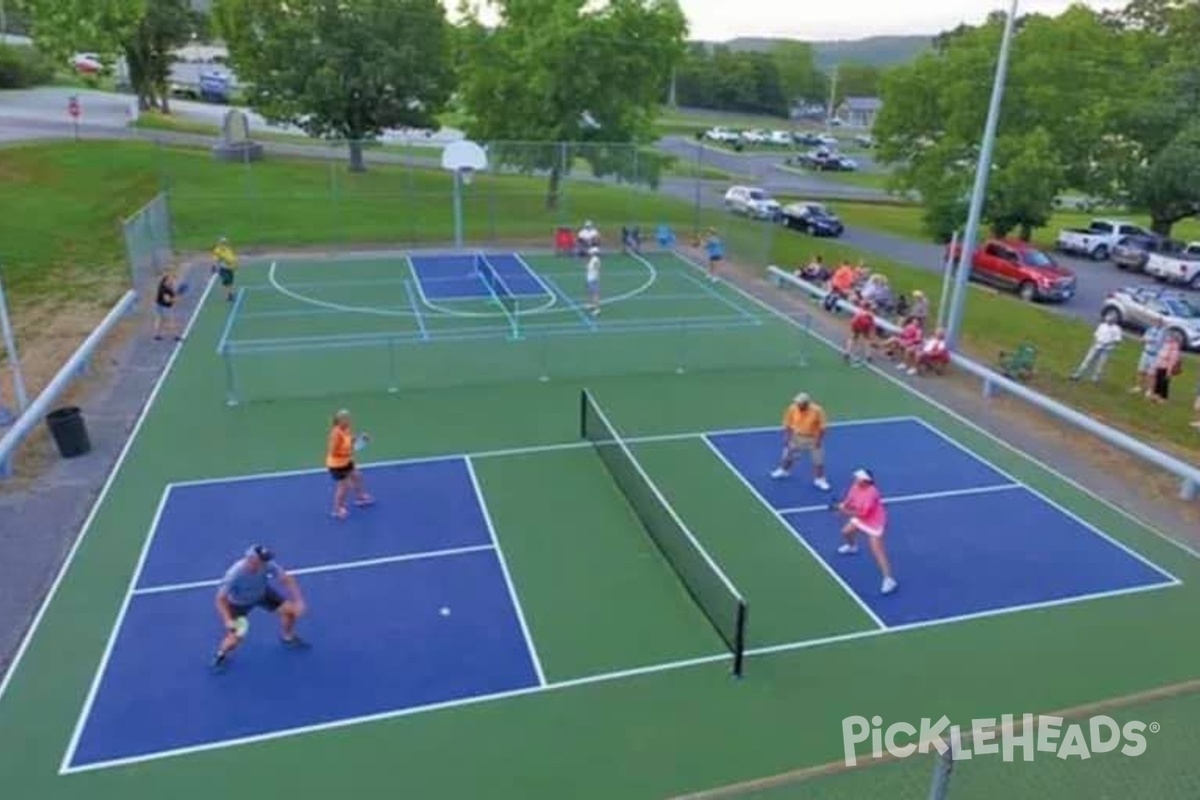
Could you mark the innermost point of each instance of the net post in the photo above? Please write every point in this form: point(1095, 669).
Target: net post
point(393, 367)
point(943, 766)
point(583, 407)
point(739, 650)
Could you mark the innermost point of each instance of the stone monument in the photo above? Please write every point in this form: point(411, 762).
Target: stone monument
point(236, 144)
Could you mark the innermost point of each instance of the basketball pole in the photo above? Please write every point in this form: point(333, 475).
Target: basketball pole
point(458, 212)
point(10, 347)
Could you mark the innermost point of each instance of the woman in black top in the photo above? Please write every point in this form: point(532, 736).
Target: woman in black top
point(164, 307)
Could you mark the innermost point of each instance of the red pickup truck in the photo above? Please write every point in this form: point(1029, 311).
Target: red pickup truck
point(1018, 266)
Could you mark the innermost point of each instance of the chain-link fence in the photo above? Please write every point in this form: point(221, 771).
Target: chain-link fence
point(304, 194)
point(1140, 747)
point(148, 239)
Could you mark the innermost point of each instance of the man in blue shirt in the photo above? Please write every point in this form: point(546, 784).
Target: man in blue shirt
point(247, 585)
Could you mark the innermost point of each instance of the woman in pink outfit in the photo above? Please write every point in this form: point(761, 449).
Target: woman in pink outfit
point(864, 506)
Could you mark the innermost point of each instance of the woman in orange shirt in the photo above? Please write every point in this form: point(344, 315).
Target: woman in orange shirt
point(339, 460)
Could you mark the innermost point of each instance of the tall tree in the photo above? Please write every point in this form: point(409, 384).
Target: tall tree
point(1067, 80)
point(798, 73)
point(558, 71)
point(143, 32)
point(857, 80)
point(341, 69)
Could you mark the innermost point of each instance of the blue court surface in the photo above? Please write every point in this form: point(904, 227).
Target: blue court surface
point(411, 606)
point(964, 538)
point(457, 276)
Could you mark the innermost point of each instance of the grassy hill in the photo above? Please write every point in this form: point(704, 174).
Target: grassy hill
point(881, 51)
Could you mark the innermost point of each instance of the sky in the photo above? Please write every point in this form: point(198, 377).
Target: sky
point(718, 20)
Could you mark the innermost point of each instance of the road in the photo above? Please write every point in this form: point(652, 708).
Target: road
point(41, 114)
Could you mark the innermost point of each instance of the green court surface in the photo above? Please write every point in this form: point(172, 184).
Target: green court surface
point(636, 697)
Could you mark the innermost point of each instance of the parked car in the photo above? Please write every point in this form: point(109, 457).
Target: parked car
point(722, 135)
point(812, 218)
point(1020, 267)
point(1182, 266)
point(1131, 252)
point(754, 137)
point(87, 63)
point(1098, 239)
point(827, 161)
point(807, 139)
point(781, 138)
point(752, 202)
point(1137, 307)
point(862, 140)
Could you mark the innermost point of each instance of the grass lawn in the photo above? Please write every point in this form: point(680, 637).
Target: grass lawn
point(905, 221)
point(60, 238)
point(863, 178)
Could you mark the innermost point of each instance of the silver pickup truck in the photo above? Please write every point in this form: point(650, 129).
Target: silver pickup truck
point(1098, 239)
point(1181, 267)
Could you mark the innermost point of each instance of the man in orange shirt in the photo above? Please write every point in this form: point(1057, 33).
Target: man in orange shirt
point(804, 426)
point(840, 286)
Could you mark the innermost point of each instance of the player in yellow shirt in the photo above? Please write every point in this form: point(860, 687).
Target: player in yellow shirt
point(225, 264)
point(804, 426)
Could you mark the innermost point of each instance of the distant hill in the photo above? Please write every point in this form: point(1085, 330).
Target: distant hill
point(879, 51)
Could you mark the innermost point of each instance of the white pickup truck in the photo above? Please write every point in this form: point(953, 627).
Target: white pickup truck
point(1097, 240)
point(1180, 266)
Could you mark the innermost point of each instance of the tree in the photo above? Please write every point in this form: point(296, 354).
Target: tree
point(798, 73)
point(1068, 78)
point(857, 80)
point(341, 69)
point(143, 32)
point(558, 71)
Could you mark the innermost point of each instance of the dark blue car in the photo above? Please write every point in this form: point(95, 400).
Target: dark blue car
point(812, 218)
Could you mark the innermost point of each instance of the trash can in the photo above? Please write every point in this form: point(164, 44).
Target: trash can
point(69, 431)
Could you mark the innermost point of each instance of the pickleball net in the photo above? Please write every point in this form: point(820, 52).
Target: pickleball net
point(499, 290)
point(709, 586)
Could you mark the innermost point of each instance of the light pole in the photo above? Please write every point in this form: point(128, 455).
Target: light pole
point(971, 234)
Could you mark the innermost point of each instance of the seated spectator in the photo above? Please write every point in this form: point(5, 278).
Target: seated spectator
point(903, 310)
point(900, 345)
point(816, 271)
point(631, 239)
point(587, 238)
point(840, 286)
point(920, 308)
point(934, 353)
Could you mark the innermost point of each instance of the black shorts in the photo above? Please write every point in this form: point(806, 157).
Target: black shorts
point(271, 601)
point(340, 474)
point(226, 276)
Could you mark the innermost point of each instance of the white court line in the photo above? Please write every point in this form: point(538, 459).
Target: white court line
point(1129, 551)
point(512, 589)
point(416, 309)
point(949, 412)
point(98, 677)
point(231, 318)
point(335, 567)
point(794, 534)
point(521, 451)
point(85, 529)
point(599, 678)
point(909, 498)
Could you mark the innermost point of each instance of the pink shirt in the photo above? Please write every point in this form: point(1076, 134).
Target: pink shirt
point(864, 502)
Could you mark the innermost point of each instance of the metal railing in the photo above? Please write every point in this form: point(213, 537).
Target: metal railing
point(76, 365)
point(994, 382)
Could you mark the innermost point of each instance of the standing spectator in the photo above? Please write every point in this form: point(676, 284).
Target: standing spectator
point(165, 298)
point(1104, 341)
point(862, 325)
point(1152, 342)
point(1166, 367)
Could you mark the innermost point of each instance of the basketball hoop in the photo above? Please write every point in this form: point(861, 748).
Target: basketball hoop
point(463, 158)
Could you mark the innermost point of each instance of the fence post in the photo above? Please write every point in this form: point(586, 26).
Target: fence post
point(10, 347)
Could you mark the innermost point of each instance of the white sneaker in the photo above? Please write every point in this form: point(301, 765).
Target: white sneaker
point(848, 549)
point(912, 372)
point(779, 472)
point(901, 366)
point(889, 586)
point(821, 484)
